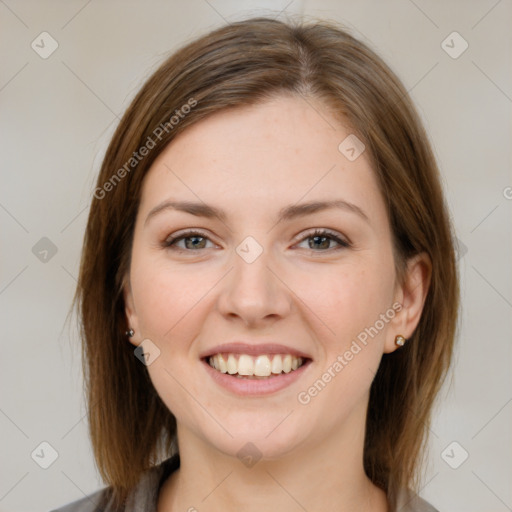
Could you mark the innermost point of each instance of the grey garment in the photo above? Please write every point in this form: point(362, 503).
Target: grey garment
point(408, 501)
point(144, 497)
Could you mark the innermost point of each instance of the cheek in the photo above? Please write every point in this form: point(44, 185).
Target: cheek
point(350, 305)
point(165, 297)
point(170, 308)
point(349, 300)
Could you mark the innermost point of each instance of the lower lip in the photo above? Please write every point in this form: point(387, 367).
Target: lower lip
point(255, 387)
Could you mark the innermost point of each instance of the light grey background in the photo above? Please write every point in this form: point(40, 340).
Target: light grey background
point(57, 115)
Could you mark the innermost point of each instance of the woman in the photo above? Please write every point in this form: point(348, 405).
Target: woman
point(268, 290)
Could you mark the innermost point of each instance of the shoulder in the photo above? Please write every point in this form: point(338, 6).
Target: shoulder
point(143, 497)
point(409, 501)
point(96, 502)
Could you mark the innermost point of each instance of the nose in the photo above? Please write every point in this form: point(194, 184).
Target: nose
point(254, 292)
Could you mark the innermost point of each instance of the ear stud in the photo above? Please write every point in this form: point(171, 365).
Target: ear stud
point(400, 340)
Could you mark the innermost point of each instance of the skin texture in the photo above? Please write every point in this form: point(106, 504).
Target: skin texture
point(314, 296)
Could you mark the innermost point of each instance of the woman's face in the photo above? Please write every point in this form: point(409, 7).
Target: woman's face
point(255, 277)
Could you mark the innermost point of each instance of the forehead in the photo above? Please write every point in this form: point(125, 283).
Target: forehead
point(263, 156)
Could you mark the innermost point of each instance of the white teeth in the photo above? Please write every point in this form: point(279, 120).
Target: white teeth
point(221, 364)
point(260, 366)
point(245, 365)
point(232, 364)
point(277, 365)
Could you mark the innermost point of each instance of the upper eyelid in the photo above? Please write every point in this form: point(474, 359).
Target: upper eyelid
point(187, 232)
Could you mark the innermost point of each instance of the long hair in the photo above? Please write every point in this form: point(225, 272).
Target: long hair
point(242, 64)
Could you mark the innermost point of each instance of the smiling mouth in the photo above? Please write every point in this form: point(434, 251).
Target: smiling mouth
point(264, 366)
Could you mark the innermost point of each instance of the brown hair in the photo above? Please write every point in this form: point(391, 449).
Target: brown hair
point(241, 64)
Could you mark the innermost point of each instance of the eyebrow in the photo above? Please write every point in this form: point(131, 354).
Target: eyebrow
point(285, 214)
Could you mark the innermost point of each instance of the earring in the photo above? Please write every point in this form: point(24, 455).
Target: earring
point(130, 332)
point(400, 340)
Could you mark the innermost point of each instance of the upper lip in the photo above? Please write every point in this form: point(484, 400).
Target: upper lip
point(251, 349)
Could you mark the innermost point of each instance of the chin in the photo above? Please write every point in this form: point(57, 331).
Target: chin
point(257, 439)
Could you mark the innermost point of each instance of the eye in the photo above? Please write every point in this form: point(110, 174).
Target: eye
point(321, 238)
point(194, 240)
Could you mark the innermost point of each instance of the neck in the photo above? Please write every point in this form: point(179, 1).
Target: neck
point(321, 476)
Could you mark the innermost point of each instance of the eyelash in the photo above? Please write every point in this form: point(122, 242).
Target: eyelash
point(343, 244)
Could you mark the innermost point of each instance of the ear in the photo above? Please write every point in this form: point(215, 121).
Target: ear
point(130, 312)
point(410, 295)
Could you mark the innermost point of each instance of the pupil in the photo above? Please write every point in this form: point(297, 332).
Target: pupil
point(194, 245)
point(316, 238)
